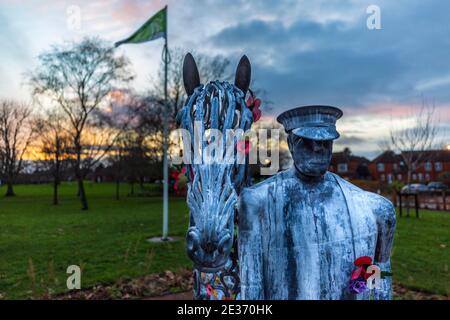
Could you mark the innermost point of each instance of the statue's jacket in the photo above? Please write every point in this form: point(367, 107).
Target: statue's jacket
point(298, 240)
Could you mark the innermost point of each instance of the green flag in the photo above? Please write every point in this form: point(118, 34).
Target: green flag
point(154, 28)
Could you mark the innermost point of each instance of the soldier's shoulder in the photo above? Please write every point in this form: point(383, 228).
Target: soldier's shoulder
point(265, 184)
point(379, 201)
point(256, 195)
point(381, 206)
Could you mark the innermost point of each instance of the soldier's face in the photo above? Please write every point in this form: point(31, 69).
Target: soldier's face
point(311, 157)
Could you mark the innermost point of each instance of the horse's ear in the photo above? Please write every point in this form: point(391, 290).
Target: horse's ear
point(191, 77)
point(243, 74)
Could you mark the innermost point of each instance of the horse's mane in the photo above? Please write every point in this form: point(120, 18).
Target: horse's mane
point(216, 105)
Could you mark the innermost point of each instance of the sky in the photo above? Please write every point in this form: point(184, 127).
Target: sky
point(302, 52)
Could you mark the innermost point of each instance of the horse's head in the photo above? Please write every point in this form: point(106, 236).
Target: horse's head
point(211, 200)
point(214, 185)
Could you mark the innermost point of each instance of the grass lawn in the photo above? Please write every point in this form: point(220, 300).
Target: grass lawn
point(38, 241)
point(421, 255)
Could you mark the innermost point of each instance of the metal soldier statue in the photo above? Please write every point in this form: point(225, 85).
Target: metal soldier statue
point(301, 230)
point(298, 232)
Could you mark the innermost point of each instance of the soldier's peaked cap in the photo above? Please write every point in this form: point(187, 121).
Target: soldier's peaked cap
point(312, 122)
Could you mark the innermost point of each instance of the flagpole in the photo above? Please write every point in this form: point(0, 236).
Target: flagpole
point(165, 230)
point(145, 33)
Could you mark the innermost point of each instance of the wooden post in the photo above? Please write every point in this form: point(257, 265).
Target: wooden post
point(443, 202)
point(416, 202)
point(408, 196)
point(400, 203)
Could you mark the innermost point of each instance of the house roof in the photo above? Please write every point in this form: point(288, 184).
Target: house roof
point(388, 156)
point(344, 157)
point(434, 155)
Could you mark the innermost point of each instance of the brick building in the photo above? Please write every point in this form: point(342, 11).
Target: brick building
point(389, 166)
point(349, 166)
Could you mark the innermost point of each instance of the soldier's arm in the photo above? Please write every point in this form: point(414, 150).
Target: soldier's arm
point(250, 246)
point(385, 215)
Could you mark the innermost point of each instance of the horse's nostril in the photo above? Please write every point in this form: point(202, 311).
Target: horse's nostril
point(224, 243)
point(210, 247)
point(192, 241)
point(190, 246)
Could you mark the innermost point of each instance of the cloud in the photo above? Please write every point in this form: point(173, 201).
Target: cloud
point(14, 40)
point(346, 140)
point(339, 61)
point(313, 62)
point(131, 11)
point(302, 51)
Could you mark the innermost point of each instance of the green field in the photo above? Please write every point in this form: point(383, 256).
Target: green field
point(421, 254)
point(38, 241)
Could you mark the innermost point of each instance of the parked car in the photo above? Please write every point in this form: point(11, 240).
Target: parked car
point(414, 188)
point(437, 186)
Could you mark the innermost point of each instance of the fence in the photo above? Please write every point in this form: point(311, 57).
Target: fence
point(433, 200)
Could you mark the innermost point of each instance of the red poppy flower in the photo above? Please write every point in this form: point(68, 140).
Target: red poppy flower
point(256, 114)
point(364, 260)
point(357, 273)
point(367, 275)
point(250, 102)
point(243, 146)
point(256, 103)
point(176, 175)
point(209, 290)
point(360, 273)
point(253, 104)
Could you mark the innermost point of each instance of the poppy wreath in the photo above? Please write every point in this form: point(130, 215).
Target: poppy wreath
point(359, 276)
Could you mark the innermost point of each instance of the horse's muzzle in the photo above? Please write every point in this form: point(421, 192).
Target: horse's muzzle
point(209, 253)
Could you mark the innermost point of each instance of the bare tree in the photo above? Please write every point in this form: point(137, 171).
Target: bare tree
point(117, 162)
point(137, 160)
point(210, 68)
point(413, 141)
point(147, 126)
point(16, 133)
point(80, 78)
point(150, 116)
point(285, 158)
point(124, 116)
point(54, 145)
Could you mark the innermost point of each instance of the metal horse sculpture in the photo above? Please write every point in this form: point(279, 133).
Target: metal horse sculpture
point(213, 188)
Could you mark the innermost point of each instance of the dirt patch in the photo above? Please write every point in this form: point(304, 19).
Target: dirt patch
point(152, 285)
point(170, 285)
point(402, 293)
point(175, 296)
